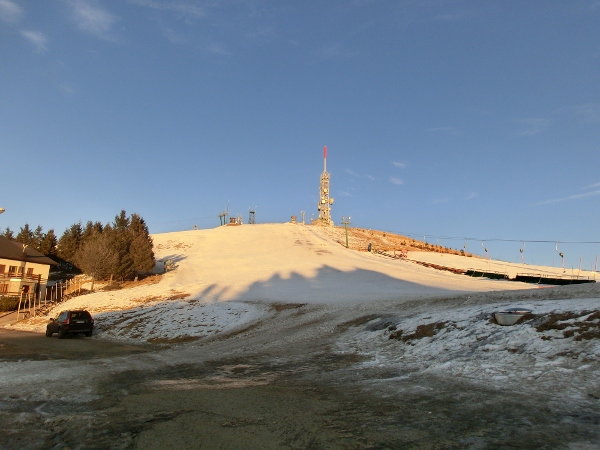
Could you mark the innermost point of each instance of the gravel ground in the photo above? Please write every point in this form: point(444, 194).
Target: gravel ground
point(283, 382)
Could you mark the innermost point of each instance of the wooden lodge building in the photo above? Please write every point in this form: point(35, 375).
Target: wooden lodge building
point(23, 270)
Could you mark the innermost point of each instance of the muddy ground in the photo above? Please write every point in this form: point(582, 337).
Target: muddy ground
point(274, 385)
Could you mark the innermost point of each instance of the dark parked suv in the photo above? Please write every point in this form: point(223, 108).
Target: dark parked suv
point(71, 322)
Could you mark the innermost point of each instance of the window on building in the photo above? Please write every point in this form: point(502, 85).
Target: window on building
point(12, 270)
point(2, 268)
point(29, 272)
point(3, 288)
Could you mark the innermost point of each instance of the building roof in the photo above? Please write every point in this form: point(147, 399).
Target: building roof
point(10, 249)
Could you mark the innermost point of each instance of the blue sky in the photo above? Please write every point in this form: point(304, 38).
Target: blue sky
point(462, 119)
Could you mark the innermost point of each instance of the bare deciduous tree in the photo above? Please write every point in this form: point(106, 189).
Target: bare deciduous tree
point(97, 258)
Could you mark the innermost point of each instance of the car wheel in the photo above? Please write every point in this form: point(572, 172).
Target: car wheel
point(48, 333)
point(61, 333)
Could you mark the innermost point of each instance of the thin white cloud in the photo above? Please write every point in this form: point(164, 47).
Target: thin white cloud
point(396, 181)
point(447, 130)
point(10, 12)
point(219, 49)
point(261, 34)
point(333, 51)
point(93, 19)
point(571, 197)
point(67, 89)
point(595, 185)
point(36, 38)
point(533, 126)
point(174, 37)
point(182, 8)
point(585, 113)
point(450, 17)
point(357, 175)
point(400, 165)
point(590, 113)
point(345, 194)
point(472, 195)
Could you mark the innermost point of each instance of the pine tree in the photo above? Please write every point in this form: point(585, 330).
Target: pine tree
point(121, 221)
point(142, 254)
point(137, 225)
point(127, 237)
point(8, 233)
point(48, 244)
point(38, 236)
point(92, 229)
point(141, 248)
point(120, 243)
point(120, 240)
point(26, 236)
point(69, 242)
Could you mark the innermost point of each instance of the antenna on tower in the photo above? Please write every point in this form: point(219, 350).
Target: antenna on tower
point(325, 201)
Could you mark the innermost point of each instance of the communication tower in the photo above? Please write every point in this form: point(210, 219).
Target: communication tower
point(325, 201)
point(252, 216)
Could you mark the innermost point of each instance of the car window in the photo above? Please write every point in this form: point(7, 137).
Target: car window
point(80, 315)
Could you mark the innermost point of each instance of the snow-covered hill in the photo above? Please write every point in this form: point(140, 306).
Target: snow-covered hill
point(225, 278)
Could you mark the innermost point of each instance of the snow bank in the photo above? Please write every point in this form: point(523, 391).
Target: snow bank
point(464, 343)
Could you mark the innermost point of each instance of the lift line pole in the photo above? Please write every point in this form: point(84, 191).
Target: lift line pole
point(346, 223)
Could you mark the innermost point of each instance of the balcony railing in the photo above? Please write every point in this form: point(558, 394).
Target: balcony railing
point(20, 276)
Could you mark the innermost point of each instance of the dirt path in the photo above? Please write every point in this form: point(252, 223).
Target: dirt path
point(19, 346)
point(231, 404)
point(277, 384)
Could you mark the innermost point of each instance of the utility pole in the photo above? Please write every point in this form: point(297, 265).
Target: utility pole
point(302, 213)
point(346, 223)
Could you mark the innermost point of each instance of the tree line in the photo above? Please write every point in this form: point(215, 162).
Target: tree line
point(119, 249)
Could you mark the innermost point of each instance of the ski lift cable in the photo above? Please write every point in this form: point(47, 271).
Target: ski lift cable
point(476, 239)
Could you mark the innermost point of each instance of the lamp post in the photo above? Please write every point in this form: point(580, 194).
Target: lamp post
point(346, 222)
